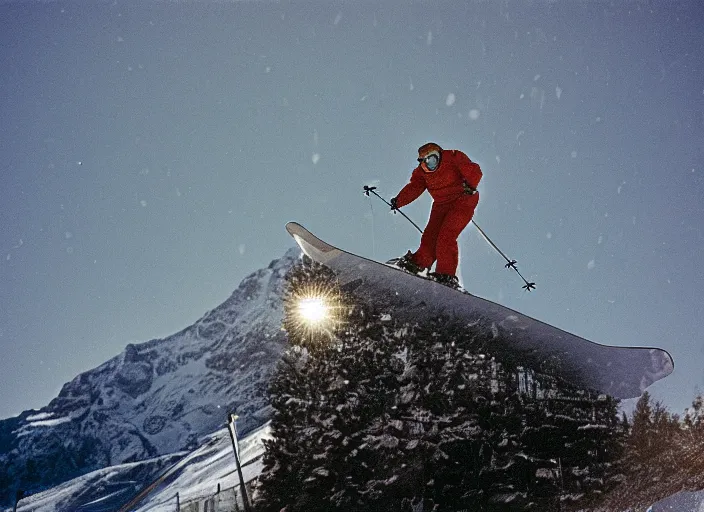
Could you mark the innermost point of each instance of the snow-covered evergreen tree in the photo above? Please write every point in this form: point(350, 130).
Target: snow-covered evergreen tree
point(374, 414)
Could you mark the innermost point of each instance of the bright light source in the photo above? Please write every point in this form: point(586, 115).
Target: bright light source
point(313, 310)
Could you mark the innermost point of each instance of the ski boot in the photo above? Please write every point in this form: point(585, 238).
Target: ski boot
point(445, 279)
point(406, 263)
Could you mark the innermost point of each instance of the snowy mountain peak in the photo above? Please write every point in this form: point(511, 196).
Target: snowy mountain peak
point(156, 397)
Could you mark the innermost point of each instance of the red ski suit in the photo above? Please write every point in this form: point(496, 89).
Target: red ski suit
point(452, 208)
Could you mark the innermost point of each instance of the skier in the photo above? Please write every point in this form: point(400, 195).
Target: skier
point(451, 178)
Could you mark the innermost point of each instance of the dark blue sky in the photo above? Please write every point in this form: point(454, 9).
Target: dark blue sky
point(151, 155)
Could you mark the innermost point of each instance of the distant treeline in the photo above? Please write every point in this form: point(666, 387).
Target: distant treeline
point(664, 454)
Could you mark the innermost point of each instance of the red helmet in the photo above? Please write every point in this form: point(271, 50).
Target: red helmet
point(430, 155)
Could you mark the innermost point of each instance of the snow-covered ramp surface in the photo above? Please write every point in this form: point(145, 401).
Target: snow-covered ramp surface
point(622, 372)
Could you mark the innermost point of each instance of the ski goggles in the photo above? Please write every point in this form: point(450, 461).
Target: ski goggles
point(431, 161)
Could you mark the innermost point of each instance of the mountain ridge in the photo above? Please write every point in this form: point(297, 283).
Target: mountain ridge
point(155, 397)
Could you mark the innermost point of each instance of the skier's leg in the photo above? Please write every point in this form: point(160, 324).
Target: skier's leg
point(425, 255)
point(454, 222)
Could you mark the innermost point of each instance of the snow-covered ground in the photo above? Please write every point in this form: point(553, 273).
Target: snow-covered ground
point(209, 466)
point(194, 475)
point(683, 501)
point(105, 489)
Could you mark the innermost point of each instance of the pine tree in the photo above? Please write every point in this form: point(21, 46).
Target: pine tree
point(378, 414)
point(642, 441)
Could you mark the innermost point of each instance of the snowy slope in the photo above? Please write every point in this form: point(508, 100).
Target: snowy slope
point(157, 397)
point(683, 501)
point(208, 467)
point(109, 487)
point(192, 475)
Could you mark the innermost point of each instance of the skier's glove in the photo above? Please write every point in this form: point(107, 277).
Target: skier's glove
point(468, 190)
point(394, 204)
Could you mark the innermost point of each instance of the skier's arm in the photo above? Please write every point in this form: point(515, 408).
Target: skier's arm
point(471, 172)
point(412, 190)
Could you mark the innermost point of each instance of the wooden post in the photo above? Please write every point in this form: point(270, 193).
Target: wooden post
point(235, 446)
point(178, 503)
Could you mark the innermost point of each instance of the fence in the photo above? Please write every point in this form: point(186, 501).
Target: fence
point(227, 500)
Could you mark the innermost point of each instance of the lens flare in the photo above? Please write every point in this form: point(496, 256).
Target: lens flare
point(313, 310)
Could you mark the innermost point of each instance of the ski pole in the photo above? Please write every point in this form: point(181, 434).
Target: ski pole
point(367, 190)
point(510, 263)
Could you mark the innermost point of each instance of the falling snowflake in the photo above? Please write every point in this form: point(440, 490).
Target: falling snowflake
point(474, 114)
point(315, 158)
point(558, 92)
point(591, 264)
point(450, 100)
